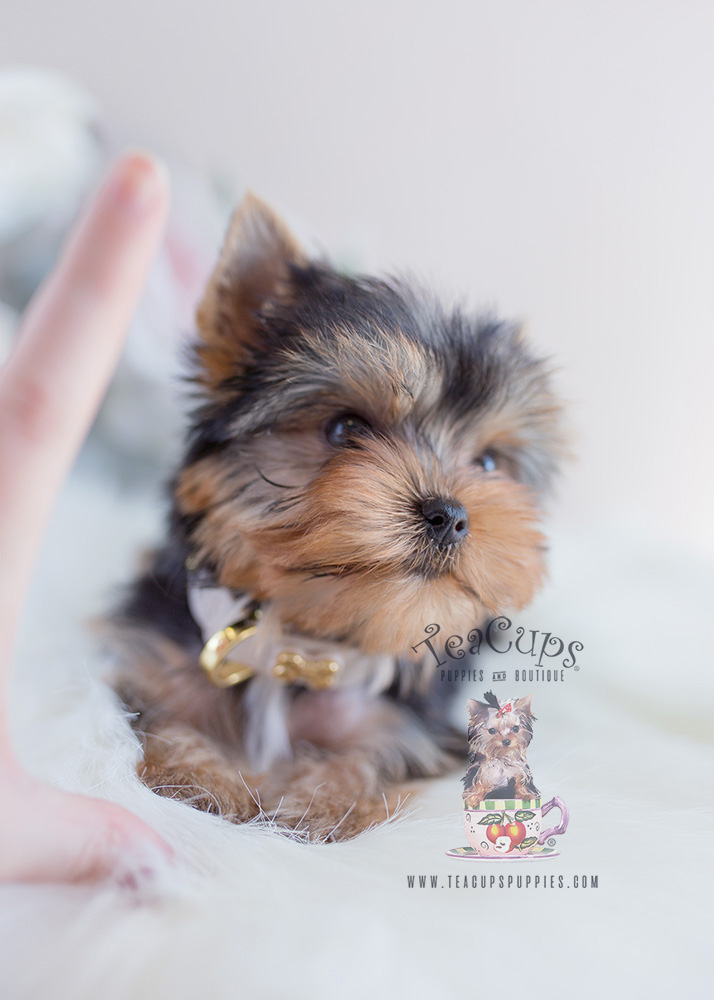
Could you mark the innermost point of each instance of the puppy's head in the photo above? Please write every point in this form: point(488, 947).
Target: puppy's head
point(495, 732)
point(363, 459)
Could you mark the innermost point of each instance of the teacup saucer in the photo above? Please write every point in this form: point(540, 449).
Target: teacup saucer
point(469, 854)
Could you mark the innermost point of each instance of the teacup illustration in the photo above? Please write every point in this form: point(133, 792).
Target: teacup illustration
point(512, 828)
point(499, 828)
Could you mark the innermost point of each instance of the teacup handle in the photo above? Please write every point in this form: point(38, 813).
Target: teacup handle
point(565, 816)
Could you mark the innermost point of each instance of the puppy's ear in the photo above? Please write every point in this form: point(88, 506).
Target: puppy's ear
point(253, 268)
point(477, 709)
point(523, 705)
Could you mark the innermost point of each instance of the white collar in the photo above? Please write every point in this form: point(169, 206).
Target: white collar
point(243, 640)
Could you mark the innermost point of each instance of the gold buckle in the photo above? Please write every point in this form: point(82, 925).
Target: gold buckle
point(214, 655)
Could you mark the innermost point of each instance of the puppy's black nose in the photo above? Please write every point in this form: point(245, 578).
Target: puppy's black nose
point(506, 743)
point(446, 521)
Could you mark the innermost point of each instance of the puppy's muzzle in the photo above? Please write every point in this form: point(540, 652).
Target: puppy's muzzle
point(446, 521)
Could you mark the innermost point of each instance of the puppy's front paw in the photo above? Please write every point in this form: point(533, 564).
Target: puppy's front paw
point(209, 793)
point(179, 763)
point(318, 820)
point(329, 799)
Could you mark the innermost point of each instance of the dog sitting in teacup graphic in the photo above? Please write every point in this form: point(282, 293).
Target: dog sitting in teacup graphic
point(503, 811)
point(499, 736)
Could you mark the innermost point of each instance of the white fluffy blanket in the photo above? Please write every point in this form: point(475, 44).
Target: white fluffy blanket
point(246, 912)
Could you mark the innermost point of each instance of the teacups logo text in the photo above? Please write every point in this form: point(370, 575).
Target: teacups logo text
point(552, 656)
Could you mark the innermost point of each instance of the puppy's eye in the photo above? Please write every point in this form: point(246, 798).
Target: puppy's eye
point(487, 461)
point(492, 731)
point(514, 729)
point(346, 430)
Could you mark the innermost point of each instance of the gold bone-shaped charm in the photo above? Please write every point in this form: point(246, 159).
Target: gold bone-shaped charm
point(291, 668)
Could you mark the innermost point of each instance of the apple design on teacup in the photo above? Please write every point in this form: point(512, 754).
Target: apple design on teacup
point(507, 833)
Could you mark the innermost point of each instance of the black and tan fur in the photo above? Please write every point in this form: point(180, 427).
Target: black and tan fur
point(498, 742)
point(332, 536)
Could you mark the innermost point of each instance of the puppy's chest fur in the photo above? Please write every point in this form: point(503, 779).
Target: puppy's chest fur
point(282, 711)
point(496, 771)
point(263, 723)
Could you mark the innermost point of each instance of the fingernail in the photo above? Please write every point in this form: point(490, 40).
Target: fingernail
point(138, 182)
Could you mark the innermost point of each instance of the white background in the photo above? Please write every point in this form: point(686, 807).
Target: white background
point(552, 159)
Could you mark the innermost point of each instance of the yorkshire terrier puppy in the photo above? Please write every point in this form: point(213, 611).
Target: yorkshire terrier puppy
point(499, 735)
point(362, 462)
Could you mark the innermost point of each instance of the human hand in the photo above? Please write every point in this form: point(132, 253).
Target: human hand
point(50, 389)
